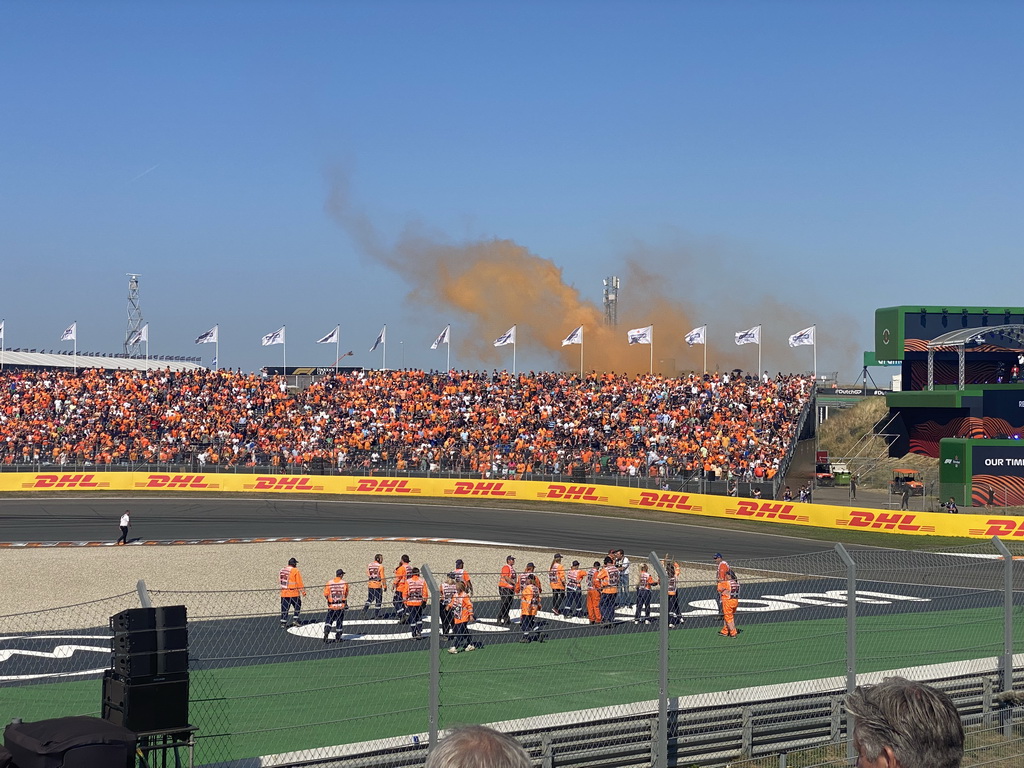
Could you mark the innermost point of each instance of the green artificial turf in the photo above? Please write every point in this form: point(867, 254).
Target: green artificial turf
point(271, 708)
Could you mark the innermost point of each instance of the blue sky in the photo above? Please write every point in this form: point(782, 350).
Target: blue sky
point(734, 163)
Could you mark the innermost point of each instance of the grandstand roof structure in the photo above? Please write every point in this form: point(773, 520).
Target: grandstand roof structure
point(25, 358)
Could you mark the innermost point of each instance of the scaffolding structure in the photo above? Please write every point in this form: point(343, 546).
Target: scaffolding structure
point(611, 301)
point(133, 333)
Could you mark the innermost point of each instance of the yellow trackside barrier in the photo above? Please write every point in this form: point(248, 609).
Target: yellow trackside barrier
point(981, 526)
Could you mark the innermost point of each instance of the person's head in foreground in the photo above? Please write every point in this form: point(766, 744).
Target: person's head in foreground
point(477, 746)
point(905, 724)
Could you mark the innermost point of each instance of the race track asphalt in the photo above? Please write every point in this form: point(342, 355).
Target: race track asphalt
point(165, 519)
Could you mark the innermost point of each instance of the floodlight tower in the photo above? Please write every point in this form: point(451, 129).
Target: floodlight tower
point(611, 301)
point(132, 336)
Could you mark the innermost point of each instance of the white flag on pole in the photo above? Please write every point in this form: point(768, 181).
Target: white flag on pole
point(697, 336)
point(641, 335)
point(2, 330)
point(508, 337)
point(442, 338)
point(210, 337)
point(381, 338)
point(330, 338)
point(749, 336)
point(802, 338)
point(140, 335)
point(70, 333)
point(576, 337)
point(277, 337)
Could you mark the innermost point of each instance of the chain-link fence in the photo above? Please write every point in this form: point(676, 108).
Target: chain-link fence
point(578, 687)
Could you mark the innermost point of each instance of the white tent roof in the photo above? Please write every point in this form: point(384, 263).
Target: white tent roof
point(95, 360)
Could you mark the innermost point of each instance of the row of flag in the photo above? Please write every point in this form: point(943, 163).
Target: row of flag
point(752, 336)
point(634, 336)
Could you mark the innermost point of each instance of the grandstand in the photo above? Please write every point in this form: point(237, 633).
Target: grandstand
point(718, 428)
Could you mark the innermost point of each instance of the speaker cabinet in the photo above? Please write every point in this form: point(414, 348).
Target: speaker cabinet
point(150, 642)
point(159, 704)
point(140, 619)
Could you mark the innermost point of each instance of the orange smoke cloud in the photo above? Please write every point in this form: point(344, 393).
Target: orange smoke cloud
point(494, 284)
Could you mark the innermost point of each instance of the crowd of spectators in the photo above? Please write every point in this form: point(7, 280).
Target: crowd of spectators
point(496, 424)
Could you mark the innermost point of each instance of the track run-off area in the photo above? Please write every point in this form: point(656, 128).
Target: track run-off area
point(940, 610)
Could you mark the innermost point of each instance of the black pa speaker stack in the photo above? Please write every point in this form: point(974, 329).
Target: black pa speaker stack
point(146, 688)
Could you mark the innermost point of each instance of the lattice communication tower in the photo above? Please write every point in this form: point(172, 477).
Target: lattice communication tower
point(611, 301)
point(132, 342)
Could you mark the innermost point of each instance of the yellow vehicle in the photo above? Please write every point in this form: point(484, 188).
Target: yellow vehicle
point(906, 478)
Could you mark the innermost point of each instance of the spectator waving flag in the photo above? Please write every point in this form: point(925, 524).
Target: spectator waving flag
point(70, 333)
point(442, 337)
point(381, 338)
point(576, 337)
point(210, 337)
point(697, 336)
point(802, 338)
point(641, 335)
point(749, 336)
point(277, 337)
point(508, 337)
point(332, 337)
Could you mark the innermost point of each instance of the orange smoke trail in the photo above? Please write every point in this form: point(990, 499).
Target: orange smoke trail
point(495, 284)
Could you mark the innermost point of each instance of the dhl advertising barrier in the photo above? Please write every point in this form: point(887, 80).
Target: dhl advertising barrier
point(818, 515)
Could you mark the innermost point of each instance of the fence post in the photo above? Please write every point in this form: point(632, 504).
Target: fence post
point(659, 749)
point(851, 638)
point(1006, 662)
point(143, 591)
point(434, 640)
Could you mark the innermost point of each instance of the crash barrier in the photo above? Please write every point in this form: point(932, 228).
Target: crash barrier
point(980, 526)
point(261, 695)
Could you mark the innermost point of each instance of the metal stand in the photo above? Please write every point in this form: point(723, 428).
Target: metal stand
point(163, 742)
point(866, 376)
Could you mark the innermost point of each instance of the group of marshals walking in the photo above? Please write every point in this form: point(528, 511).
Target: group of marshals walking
point(602, 584)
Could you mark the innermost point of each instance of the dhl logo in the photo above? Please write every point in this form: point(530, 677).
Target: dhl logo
point(282, 484)
point(571, 493)
point(178, 482)
point(1000, 526)
point(65, 481)
point(766, 510)
point(655, 500)
point(369, 485)
point(463, 488)
point(884, 521)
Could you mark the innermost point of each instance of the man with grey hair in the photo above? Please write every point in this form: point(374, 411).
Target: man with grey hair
point(477, 746)
point(901, 723)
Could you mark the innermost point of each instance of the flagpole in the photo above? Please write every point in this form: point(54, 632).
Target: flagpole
point(74, 358)
point(652, 351)
point(284, 355)
point(3, 343)
point(815, 345)
point(337, 348)
point(147, 349)
point(384, 350)
point(514, 357)
point(759, 350)
point(705, 348)
point(581, 355)
point(448, 343)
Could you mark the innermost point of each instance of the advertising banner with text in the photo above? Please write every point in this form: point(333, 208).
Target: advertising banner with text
point(818, 515)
